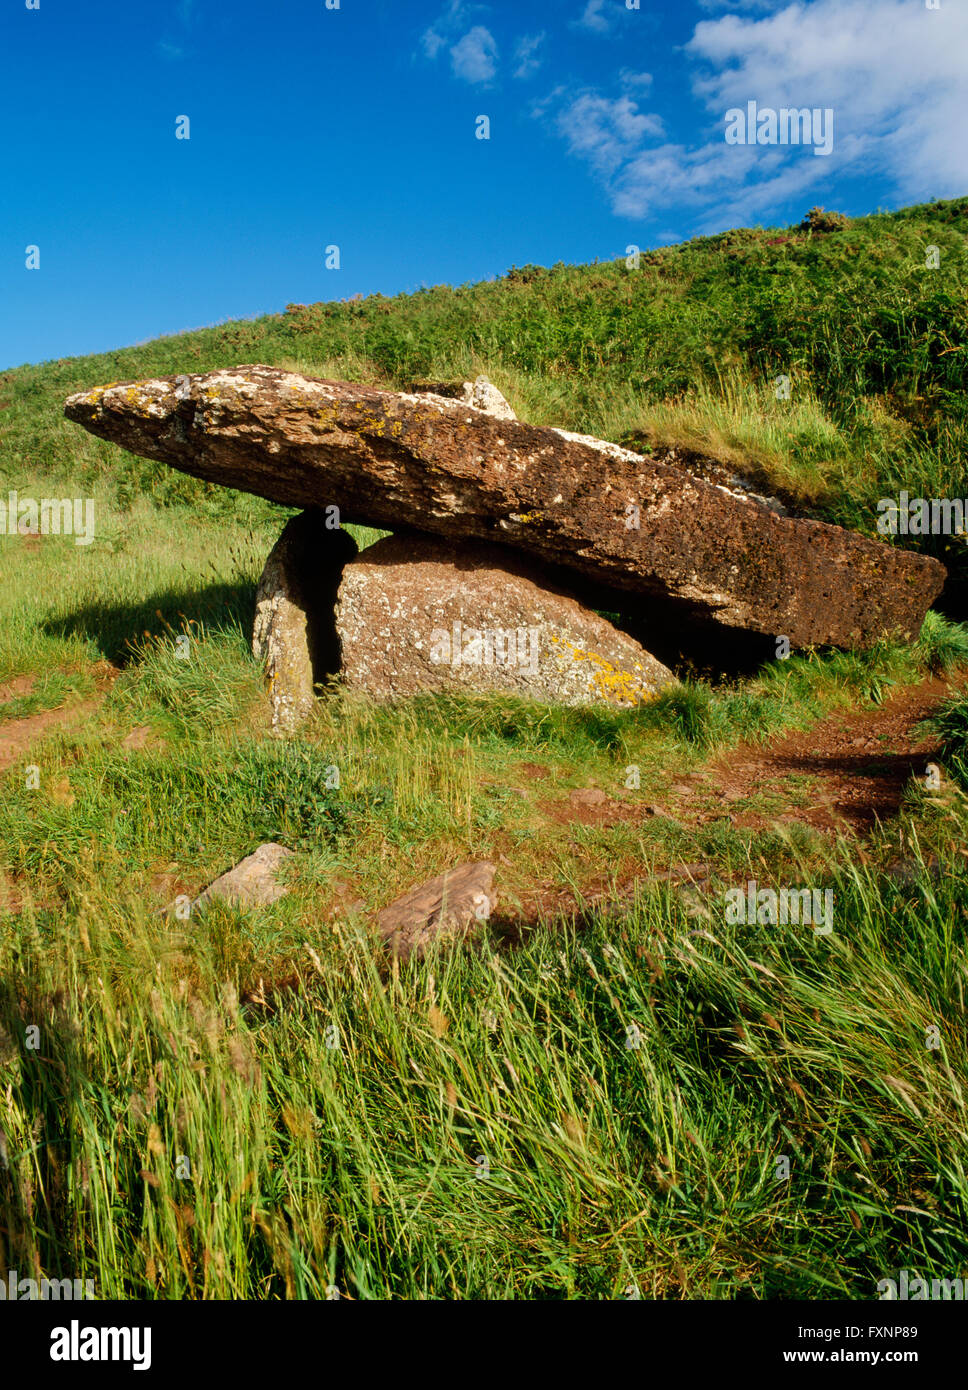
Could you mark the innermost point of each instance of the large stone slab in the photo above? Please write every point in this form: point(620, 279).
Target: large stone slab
point(442, 466)
point(416, 614)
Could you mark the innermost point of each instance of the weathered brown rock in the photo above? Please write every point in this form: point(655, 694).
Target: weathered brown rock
point(482, 394)
point(442, 466)
point(446, 909)
point(294, 632)
point(416, 614)
point(253, 882)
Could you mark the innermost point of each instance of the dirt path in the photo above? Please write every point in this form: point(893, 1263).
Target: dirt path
point(845, 773)
point(17, 736)
point(842, 776)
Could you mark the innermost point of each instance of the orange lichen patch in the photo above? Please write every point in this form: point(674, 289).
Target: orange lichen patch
point(609, 682)
point(373, 423)
point(95, 396)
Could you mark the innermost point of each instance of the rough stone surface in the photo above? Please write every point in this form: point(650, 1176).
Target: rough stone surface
point(447, 909)
point(442, 466)
point(481, 394)
point(294, 634)
point(416, 614)
point(253, 881)
point(484, 396)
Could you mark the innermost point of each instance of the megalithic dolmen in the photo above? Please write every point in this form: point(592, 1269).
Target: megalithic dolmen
point(428, 463)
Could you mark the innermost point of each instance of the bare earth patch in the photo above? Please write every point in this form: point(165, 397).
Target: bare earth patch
point(17, 736)
point(13, 690)
point(858, 764)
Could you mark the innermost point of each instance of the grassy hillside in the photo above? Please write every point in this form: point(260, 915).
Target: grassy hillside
point(622, 1092)
point(684, 350)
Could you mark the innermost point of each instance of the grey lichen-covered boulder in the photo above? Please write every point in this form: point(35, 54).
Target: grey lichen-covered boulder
point(483, 395)
point(253, 882)
point(294, 633)
point(416, 614)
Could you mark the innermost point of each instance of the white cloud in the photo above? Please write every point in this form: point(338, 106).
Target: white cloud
point(432, 43)
point(524, 51)
point(168, 48)
point(892, 71)
point(593, 19)
point(606, 133)
point(744, 186)
point(747, 5)
point(445, 28)
point(605, 16)
point(473, 57)
point(635, 81)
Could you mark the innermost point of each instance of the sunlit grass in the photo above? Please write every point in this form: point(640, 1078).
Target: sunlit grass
point(627, 1095)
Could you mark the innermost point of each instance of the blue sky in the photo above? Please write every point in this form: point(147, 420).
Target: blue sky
point(356, 127)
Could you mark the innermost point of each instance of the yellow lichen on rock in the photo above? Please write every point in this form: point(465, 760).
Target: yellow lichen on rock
point(610, 683)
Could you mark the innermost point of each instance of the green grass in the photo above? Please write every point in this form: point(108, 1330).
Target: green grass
point(681, 353)
point(654, 1165)
point(476, 1126)
point(951, 722)
point(51, 691)
point(587, 1114)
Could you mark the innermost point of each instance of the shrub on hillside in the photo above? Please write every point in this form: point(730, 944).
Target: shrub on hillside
point(525, 274)
point(819, 220)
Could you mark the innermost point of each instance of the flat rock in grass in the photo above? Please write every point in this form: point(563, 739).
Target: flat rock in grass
point(137, 739)
point(294, 634)
point(416, 614)
point(620, 519)
point(253, 882)
point(909, 870)
point(446, 909)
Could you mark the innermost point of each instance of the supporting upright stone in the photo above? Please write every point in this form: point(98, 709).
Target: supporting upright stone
point(295, 630)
